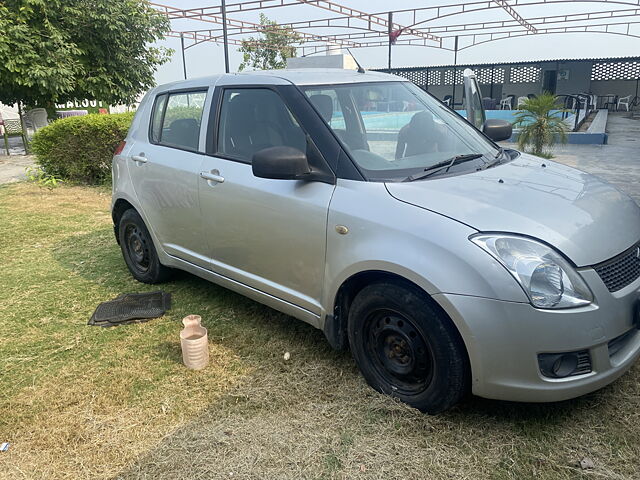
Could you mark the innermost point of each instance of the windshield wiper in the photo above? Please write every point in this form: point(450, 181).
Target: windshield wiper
point(445, 164)
point(497, 159)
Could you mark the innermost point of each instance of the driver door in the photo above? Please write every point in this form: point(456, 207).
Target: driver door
point(267, 234)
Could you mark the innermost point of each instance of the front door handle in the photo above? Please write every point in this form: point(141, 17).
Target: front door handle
point(139, 158)
point(212, 176)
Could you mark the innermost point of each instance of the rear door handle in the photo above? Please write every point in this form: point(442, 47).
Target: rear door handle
point(212, 177)
point(139, 159)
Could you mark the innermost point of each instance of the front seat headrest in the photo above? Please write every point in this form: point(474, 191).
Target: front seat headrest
point(324, 105)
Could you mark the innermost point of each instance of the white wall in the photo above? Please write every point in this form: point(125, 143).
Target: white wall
point(8, 111)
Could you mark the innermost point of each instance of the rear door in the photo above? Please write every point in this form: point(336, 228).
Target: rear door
point(165, 173)
point(473, 99)
point(267, 234)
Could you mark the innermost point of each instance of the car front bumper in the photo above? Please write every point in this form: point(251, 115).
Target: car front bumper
point(504, 339)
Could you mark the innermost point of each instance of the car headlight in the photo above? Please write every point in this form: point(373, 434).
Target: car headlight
point(546, 277)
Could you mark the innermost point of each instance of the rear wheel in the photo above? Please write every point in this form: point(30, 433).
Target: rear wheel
point(138, 250)
point(406, 348)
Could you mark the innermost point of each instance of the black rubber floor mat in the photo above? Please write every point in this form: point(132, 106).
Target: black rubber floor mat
point(130, 308)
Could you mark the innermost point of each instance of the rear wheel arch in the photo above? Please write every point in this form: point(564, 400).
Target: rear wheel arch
point(117, 211)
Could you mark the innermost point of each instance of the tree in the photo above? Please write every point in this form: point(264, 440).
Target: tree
point(270, 51)
point(540, 123)
point(53, 51)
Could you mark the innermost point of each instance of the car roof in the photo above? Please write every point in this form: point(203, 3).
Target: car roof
point(301, 76)
point(328, 76)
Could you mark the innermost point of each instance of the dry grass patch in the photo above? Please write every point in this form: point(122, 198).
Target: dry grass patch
point(84, 402)
point(79, 401)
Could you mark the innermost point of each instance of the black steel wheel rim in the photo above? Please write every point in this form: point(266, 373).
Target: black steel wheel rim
point(400, 355)
point(137, 247)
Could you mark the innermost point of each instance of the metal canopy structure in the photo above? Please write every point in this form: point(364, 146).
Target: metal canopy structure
point(439, 26)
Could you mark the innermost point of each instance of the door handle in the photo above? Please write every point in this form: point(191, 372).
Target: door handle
point(139, 159)
point(212, 177)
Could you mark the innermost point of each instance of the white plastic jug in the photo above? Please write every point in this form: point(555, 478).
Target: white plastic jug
point(194, 342)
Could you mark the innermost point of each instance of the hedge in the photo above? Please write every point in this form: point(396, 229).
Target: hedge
point(80, 149)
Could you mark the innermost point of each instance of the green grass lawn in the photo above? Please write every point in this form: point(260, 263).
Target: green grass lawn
point(86, 402)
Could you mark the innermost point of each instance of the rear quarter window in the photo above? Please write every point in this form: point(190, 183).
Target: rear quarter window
point(156, 118)
point(176, 119)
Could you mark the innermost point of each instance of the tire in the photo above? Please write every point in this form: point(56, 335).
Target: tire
point(138, 250)
point(407, 348)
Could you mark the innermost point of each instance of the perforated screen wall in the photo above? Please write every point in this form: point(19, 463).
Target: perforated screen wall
point(524, 74)
point(434, 78)
point(449, 76)
point(419, 77)
point(615, 71)
point(484, 75)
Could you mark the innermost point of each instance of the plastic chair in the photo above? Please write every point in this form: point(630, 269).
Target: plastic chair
point(623, 101)
point(505, 103)
point(521, 101)
point(38, 117)
point(35, 119)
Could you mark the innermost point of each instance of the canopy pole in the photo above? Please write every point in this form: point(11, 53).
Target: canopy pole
point(224, 37)
point(390, 31)
point(184, 61)
point(455, 62)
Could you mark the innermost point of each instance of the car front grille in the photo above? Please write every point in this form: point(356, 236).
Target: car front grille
point(621, 270)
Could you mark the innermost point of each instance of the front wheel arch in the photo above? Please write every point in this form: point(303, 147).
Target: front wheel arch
point(407, 347)
point(335, 325)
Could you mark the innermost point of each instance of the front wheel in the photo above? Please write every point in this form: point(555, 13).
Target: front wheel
point(138, 251)
point(406, 348)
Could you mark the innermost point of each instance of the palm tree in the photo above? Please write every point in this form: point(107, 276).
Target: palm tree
point(540, 123)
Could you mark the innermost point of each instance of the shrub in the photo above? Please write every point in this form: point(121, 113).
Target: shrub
point(80, 149)
point(541, 124)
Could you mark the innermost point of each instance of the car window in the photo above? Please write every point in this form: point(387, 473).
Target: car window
point(394, 129)
point(181, 120)
point(156, 119)
point(328, 106)
point(252, 119)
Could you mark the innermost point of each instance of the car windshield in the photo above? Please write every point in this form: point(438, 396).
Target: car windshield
point(393, 130)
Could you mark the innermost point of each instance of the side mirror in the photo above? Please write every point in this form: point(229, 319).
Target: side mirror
point(497, 130)
point(283, 163)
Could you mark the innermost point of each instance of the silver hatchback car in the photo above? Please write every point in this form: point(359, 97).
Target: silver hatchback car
point(362, 205)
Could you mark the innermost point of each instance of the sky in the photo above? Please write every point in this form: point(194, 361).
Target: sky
point(208, 58)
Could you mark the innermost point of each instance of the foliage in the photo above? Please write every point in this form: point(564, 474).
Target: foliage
point(80, 149)
point(53, 51)
point(180, 112)
point(41, 178)
point(540, 123)
point(270, 51)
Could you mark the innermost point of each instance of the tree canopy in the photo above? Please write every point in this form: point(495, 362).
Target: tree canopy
point(271, 50)
point(53, 51)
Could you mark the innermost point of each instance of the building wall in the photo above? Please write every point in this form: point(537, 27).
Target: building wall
point(621, 88)
point(610, 76)
point(8, 111)
point(579, 78)
point(520, 89)
point(441, 90)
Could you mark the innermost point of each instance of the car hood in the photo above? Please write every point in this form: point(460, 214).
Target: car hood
point(585, 218)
